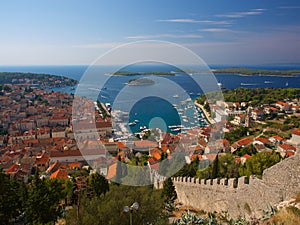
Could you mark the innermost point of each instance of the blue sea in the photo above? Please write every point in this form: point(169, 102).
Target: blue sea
point(168, 102)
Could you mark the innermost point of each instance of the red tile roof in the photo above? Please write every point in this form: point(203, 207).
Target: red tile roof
point(262, 140)
point(287, 147)
point(111, 171)
point(278, 138)
point(59, 174)
point(244, 142)
point(145, 143)
point(155, 153)
point(297, 132)
point(246, 156)
point(238, 159)
point(13, 169)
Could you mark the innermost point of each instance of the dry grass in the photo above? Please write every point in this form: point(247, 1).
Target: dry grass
point(288, 216)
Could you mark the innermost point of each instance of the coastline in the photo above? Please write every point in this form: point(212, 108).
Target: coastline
point(206, 114)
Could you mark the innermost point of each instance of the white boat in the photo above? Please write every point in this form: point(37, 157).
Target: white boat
point(143, 128)
point(176, 96)
point(176, 129)
point(132, 123)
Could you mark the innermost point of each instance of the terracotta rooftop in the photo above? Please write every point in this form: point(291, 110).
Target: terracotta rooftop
point(145, 143)
point(244, 142)
point(262, 140)
point(59, 174)
point(297, 132)
point(111, 171)
point(13, 169)
point(287, 147)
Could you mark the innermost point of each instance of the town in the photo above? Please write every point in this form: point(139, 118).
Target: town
point(38, 137)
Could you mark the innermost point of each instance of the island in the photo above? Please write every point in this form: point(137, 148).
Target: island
point(36, 80)
point(153, 73)
point(140, 82)
point(249, 72)
point(231, 70)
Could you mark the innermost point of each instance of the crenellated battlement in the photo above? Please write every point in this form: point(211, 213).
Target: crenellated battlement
point(215, 183)
point(244, 196)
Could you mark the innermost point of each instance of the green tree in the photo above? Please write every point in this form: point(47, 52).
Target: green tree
point(12, 193)
point(258, 163)
point(168, 191)
point(99, 184)
point(109, 209)
point(42, 205)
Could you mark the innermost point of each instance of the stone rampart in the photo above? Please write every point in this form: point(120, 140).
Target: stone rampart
point(242, 197)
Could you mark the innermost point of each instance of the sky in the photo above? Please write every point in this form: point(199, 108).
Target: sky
point(56, 32)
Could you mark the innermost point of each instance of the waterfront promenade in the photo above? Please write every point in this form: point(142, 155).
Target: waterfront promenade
point(207, 115)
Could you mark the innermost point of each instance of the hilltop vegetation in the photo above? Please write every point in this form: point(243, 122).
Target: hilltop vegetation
point(257, 96)
point(140, 82)
point(246, 71)
point(128, 73)
point(34, 79)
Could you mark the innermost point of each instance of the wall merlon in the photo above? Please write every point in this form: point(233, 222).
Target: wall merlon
point(224, 181)
point(242, 181)
point(232, 182)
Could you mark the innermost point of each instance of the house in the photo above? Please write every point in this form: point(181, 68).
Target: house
point(104, 127)
point(271, 110)
point(295, 140)
point(155, 153)
point(276, 139)
point(239, 119)
point(43, 133)
point(261, 141)
point(58, 132)
point(257, 114)
point(58, 121)
point(295, 108)
point(42, 161)
point(59, 174)
point(112, 171)
point(283, 106)
point(85, 155)
point(221, 145)
point(244, 158)
point(284, 149)
point(240, 144)
point(144, 145)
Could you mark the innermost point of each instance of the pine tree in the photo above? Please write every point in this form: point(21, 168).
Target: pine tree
point(99, 184)
point(169, 190)
point(215, 168)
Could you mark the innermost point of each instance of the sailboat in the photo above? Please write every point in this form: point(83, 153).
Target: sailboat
point(287, 84)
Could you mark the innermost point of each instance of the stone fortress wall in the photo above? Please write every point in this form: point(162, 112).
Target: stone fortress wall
point(242, 197)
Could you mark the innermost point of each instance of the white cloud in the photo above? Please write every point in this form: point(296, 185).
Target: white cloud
point(221, 22)
point(242, 14)
point(216, 30)
point(259, 9)
point(289, 7)
point(164, 36)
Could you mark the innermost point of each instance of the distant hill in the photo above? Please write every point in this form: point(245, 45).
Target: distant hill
point(246, 71)
point(33, 79)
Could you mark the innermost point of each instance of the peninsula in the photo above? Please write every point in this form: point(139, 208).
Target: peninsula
point(36, 80)
point(247, 71)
